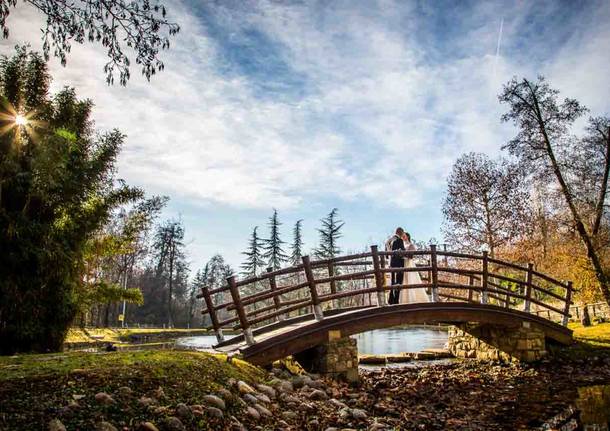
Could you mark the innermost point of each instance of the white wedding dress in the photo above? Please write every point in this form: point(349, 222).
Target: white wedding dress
point(416, 295)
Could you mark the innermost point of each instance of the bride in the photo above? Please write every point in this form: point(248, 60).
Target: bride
point(415, 295)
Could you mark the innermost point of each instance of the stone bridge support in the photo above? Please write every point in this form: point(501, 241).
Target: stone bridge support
point(337, 358)
point(499, 343)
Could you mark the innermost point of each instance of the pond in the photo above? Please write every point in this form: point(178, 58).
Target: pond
point(380, 341)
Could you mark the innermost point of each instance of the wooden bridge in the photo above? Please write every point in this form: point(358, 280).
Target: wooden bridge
point(289, 310)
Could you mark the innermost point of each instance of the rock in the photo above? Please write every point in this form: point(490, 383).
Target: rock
point(105, 426)
point(317, 384)
point(244, 388)
point(331, 429)
point(336, 403)
point(289, 399)
point(197, 409)
point(148, 426)
point(344, 413)
point(253, 413)
point(183, 411)
point(314, 423)
point(285, 386)
point(376, 426)
point(289, 415)
point(262, 410)
point(267, 390)
point(300, 381)
point(147, 401)
point(250, 399)
point(56, 425)
point(172, 423)
point(225, 394)
point(103, 398)
point(214, 401)
point(124, 391)
point(77, 397)
point(264, 398)
point(214, 412)
point(318, 395)
point(359, 414)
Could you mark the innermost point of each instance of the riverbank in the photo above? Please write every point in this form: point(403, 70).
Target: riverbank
point(185, 390)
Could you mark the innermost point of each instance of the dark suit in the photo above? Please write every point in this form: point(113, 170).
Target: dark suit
point(396, 261)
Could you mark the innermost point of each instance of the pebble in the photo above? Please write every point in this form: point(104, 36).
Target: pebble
point(289, 415)
point(214, 401)
point(318, 395)
point(183, 411)
point(267, 390)
point(172, 423)
point(104, 398)
point(262, 410)
point(214, 412)
point(253, 413)
point(250, 399)
point(300, 381)
point(148, 426)
point(244, 388)
point(336, 403)
point(147, 401)
point(285, 386)
point(124, 391)
point(225, 393)
point(264, 398)
point(359, 414)
point(56, 425)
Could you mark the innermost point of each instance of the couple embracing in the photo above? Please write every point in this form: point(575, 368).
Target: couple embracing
point(401, 241)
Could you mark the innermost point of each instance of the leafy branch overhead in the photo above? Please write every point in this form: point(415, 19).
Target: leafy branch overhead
point(119, 25)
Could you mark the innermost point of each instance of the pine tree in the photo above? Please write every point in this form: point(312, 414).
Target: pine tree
point(329, 236)
point(273, 246)
point(254, 260)
point(297, 243)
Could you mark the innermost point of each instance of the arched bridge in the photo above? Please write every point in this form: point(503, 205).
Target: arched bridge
point(289, 310)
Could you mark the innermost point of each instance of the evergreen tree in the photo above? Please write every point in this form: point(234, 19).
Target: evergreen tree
point(273, 246)
point(297, 243)
point(57, 190)
point(254, 260)
point(330, 232)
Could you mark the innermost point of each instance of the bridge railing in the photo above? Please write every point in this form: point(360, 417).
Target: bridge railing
point(328, 286)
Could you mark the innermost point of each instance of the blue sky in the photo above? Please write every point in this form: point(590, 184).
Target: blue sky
point(305, 106)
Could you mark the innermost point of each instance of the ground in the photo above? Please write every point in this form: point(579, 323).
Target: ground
point(37, 389)
point(118, 335)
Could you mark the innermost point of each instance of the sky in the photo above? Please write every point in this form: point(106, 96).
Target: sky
point(309, 105)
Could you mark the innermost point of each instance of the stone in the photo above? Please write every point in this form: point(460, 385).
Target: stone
point(214, 401)
point(314, 423)
point(105, 426)
point(172, 423)
point(267, 390)
point(124, 391)
point(147, 426)
point(359, 414)
point(262, 410)
point(264, 398)
point(318, 395)
point(147, 401)
point(300, 381)
point(285, 386)
point(244, 388)
point(183, 411)
point(344, 413)
point(250, 399)
point(225, 394)
point(289, 415)
point(56, 425)
point(336, 403)
point(103, 398)
point(253, 413)
point(214, 412)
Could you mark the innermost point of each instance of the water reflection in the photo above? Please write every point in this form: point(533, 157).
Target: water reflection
point(594, 405)
point(397, 340)
point(200, 342)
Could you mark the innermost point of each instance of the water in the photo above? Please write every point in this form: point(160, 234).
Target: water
point(202, 342)
point(398, 340)
point(594, 405)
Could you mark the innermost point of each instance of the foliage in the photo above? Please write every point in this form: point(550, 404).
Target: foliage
point(57, 189)
point(485, 205)
point(116, 24)
point(254, 256)
point(330, 232)
point(274, 253)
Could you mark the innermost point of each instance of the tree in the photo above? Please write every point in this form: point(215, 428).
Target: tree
point(330, 232)
point(544, 145)
point(254, 259)
point(140, 25)
point(296, 250)
point(485, 205)
point(57, 189)
point(216, 273)
point(170, 258)
point(273, 246)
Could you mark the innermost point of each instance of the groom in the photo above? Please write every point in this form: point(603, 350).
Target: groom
point(396, 243)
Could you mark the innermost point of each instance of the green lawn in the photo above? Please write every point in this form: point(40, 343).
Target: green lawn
point(594, 336)
point(117, 335)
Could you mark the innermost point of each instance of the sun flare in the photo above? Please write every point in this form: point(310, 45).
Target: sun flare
point(20, 120)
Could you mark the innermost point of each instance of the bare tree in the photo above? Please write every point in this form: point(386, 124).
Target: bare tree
point(485, 203)
point(117, 24)
point(545, 146)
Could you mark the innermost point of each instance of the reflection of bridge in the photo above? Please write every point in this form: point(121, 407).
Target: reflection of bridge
point(287, 311)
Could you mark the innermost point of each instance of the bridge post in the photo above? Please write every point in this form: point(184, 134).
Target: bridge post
point(205, 292)
point(379, 277)
point(241, 313)
point(276, 298)
point(528, 287)
point(471, 284)
point(333, 283)
point(484, 277)
point(315, 300)
point(434, 265)
point(566, 309)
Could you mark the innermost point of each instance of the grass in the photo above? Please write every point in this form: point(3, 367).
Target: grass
point(37, 388)
point(117, 335)
point(596, 336)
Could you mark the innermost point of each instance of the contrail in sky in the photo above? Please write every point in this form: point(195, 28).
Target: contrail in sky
point(497, 51)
